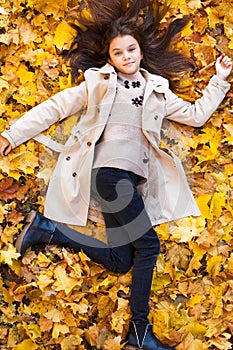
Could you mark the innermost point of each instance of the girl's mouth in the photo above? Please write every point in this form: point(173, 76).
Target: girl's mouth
point(128, 64)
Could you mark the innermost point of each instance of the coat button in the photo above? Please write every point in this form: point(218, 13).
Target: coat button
point(89, 143)
point(155, 117)
point(74, 174)
point(68, 158)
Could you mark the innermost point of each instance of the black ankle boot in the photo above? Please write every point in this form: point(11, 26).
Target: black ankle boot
point(38, 230)
point(141, 337)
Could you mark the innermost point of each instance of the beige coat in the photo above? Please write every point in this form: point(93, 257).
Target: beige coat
point(166, 194)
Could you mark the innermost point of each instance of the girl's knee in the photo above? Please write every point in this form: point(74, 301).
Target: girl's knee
point(123, 269)
point(119, 265)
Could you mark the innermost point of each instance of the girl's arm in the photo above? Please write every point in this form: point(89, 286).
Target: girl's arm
point(62, 105)
point(197, 113)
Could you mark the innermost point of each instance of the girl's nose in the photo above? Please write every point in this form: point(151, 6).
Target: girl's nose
point(126, 55)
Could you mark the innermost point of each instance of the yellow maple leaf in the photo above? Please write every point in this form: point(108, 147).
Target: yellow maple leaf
point(55, 315)
point(59, 329)
point(213, 17)
point(3, 84)
point(40, 21)
point(79, 307)
point(24, 75)
point(5, 164)
point(194, 4)
point(197, 329)
point(9, 255)
point(25, 161)
point(105, 306)
point(91, 335)
point(43, 260)
point(3, 212)
point(191, 343)
point(32, 330)
point(195, 299)
point(113, 343)
point(202, 202)
point(120, 315)
point(193, 266)
point(26, 94)
point(64, 34)
point(63, 281)
point(26, 32)
point(217, 203)
point(229, 137)
point(26, 344)
point(49, 7)
point(185, 229)
point(227, 10)
point(188, 29)
point(72, 342)
point(163, 231)
point(65, 82)
point(214, 265)
point(44, 279)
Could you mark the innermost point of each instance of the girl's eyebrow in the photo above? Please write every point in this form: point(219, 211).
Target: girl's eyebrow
point(117, 49)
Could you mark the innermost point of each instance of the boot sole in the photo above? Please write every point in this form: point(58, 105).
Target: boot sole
point(30, 218)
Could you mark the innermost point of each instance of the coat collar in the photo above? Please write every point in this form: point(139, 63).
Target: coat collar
point(157, 82)
point(107, 69)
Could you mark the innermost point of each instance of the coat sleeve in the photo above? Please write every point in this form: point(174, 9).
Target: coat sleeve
point(197, 113)
point(39, 118)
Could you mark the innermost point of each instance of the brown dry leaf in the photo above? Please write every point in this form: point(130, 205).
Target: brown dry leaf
point(14, 217)
point(72, 342)
point(45, 324)
point(8, 188)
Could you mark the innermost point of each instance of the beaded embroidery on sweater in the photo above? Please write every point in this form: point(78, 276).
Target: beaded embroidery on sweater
point(123, 144)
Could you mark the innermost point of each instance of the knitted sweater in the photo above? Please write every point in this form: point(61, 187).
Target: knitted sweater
point(122, 144)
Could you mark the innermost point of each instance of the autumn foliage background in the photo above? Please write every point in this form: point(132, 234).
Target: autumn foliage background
point(54, 299)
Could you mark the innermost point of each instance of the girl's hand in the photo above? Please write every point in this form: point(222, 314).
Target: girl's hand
point(223, 66)
point(5, 146)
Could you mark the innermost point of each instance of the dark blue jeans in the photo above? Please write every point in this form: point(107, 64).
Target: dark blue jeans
point(132, 240)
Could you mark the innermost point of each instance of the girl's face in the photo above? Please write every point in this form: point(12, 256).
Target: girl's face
point(125, 54)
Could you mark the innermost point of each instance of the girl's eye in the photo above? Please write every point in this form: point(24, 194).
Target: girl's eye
point(132, 49)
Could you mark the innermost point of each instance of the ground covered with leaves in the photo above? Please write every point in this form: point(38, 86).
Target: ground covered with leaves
point(54, 299)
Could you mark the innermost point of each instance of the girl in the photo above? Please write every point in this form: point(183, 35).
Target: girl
point(113, 157)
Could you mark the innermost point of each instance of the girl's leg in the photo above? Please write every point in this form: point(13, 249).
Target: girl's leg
point(42, 230)
point(130, 224)
point(118, 259)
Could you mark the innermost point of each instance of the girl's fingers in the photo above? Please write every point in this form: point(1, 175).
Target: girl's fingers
point(225, 60)
point(6, 150)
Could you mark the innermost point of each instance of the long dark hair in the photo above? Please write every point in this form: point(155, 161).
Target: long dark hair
point(106, 19)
